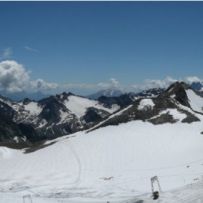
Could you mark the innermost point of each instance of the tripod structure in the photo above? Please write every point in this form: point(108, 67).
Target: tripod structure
point(155, 193)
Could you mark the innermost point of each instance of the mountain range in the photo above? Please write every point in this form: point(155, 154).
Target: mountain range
point(28, 121)
point(68, 147)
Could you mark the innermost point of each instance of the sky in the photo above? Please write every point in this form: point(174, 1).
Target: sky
point(85, 46)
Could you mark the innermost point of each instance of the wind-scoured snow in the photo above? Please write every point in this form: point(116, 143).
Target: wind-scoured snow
point(79, 105)
point(110, 162)
point(196, 101)
point(145, 104)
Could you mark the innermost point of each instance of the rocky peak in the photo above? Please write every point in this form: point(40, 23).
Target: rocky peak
point(149, 93)
point(27, 101)
point(122, 101)
point(177, 91)
point(64, 95)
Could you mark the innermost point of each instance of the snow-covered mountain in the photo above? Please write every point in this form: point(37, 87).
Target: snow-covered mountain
point(54, 116)
point(198, 86)
point(179, 103)
point(21, 95)
point(113, 146)
point(29, 121)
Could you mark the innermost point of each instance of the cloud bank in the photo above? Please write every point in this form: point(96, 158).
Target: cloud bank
point(15, 78)
point(166, 82)
point(115, 84)
point(148, 84)
point(111, 84)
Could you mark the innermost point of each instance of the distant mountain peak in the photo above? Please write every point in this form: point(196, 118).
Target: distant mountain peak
point(66, 113)
point(113, 92)
point(177, 85)
point(64, 95)
point(198, 86)
point(27, 101)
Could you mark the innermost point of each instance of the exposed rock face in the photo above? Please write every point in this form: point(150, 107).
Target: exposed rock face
point(149, 93)
point(177, 91)
point(94, 116)
point(50, 117)
point(10, 130)
point(122, 101)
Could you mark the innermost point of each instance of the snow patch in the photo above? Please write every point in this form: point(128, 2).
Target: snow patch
point(42, 123)
point(177, 115)
point(146, 104)
point(79, 105)
point(33, 108)
point(64, 117)
point(16, 139)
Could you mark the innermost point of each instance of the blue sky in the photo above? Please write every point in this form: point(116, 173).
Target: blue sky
point(92, 42)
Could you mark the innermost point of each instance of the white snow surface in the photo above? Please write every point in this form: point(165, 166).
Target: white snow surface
point(79, 105)
point(114, 162)
point(145, 104)
point(33, 108)
point(6, 153)
point(196, 101)
point(177, 115)
point(64, 117)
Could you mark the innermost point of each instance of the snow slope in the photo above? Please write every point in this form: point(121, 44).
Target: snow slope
point(115, 162)
point(177, 115)
point(33, 108)
point(79, 105)
point(145, 104)
point(196, 101)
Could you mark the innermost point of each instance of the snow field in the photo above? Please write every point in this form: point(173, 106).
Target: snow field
point(79, 105)
point(33, 108)
point(111, 162)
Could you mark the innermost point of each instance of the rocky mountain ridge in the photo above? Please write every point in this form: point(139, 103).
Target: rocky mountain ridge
point(30, 121)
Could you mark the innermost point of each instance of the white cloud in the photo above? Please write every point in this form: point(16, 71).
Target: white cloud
point(28, 48)
point(115, 84)
point(15, 78)
point(166, 82)
point(6, 53)
point(42, 85)
point(192, 79)
point(111, 84)
point(78, 86)
point(148, 84)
